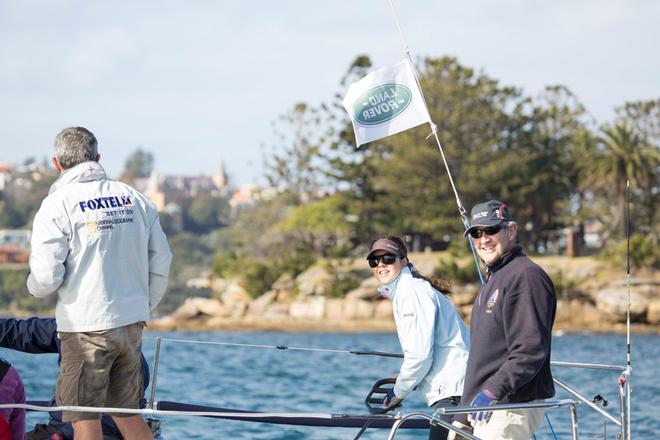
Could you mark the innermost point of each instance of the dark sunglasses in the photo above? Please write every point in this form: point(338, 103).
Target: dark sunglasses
point(490, 230)
point(386, 259)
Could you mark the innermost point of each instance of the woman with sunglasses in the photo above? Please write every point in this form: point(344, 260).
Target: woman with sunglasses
point(433, 337)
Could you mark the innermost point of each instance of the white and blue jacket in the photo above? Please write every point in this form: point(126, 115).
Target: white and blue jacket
point(433, 337)
point(98, 244)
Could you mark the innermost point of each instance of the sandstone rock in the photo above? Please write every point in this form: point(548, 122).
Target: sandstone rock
point(582, 313)
point(653, 312)
point(464, 295)
point(367, 290)
point(466, 312)
point(613, 304)
point(258, 306)
point(284, 283)
point(216, 322)
point(198, 307)
point(164, 323)
point(199, 283)
point(311, 308)
point(285, 296)
point(383, 310)
point(424, 266)
point(276, 311)
point(219, 285)
point(234, 293)
point(358, 309)
point(334, 309)
point(238, 309)
point(563, 313)
point(314, 281)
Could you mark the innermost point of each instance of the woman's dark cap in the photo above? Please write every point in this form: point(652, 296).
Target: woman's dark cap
point(387, 245)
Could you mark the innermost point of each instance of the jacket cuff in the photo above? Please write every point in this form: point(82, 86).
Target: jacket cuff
point(37, 289)
point(494, 389)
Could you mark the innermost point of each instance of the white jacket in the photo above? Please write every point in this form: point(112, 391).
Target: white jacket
point(434, 339)
point(99, 244)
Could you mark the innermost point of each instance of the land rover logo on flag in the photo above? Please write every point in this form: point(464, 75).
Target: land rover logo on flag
point(381, 104)
point(385, 102)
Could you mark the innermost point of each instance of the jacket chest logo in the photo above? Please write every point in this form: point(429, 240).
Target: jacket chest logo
point(492, 299)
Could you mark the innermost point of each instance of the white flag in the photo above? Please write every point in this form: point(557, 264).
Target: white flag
point(385, 102)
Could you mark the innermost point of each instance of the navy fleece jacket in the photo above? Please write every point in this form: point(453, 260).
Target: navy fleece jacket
point(511, 331)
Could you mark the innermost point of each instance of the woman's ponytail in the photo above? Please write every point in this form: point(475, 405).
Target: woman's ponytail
point(440, 285)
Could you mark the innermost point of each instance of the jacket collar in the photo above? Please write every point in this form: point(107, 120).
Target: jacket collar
point(516, 251)
point(83, 172)
point(388, 290)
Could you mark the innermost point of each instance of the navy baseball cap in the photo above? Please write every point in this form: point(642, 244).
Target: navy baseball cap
point(489, 213)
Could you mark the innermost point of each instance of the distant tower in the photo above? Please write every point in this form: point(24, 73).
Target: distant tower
point(153, 185)
point(220, 177)
point(154, 192)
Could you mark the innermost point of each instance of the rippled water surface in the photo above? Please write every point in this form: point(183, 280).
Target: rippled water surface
point(267, 379)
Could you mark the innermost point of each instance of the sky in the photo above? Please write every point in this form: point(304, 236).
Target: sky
point(199, 83)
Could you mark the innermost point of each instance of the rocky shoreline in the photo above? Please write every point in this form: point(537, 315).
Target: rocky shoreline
point(588, 302)
point(354, 326)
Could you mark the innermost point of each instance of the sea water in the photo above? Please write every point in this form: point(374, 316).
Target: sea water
point(275, 380)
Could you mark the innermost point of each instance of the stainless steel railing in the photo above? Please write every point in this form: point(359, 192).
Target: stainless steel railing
point(451, 410)
point(622, 423)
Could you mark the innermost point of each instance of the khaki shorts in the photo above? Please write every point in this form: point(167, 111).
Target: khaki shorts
point(511, 425)
point(100, 369)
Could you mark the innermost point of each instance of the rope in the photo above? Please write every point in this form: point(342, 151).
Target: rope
point(279, 347)
point(434, 127)
point(434, 133)
point(398, 25)
point(550, 425)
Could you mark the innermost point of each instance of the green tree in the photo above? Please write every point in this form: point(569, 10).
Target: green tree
point(644, 116)
point(538, 174)
point(402, 180)
point(325, 226)
point(259, 245)
point(622, 154)
point(10, 217)
point(140, 163)
point(24, 195)
point(295, 166)
point(207, 212)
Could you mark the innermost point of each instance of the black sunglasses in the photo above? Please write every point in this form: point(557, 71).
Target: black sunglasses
point(490, 230)
point(386, 259)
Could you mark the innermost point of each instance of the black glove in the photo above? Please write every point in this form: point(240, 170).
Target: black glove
point(390, 400)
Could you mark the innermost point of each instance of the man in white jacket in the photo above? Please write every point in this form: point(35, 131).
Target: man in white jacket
point(98, 243)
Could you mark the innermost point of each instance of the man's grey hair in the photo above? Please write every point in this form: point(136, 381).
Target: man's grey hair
point(508, 224)
point(75, 145)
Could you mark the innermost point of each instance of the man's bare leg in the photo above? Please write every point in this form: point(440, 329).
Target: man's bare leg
point(133, 428)
point(87, 430)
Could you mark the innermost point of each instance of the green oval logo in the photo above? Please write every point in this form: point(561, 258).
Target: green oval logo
point(381, 104)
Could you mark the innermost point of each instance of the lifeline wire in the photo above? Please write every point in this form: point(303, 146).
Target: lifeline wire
point(371, 352)
point(279, 347)
point(434, 133)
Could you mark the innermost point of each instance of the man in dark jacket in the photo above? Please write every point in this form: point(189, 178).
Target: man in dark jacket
point(510, 330)
point(37, 336)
